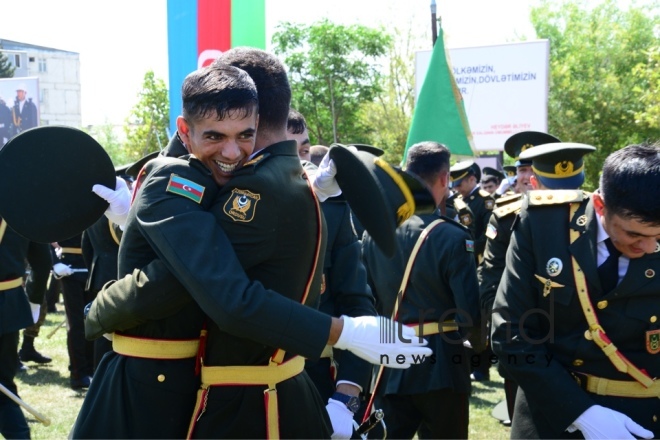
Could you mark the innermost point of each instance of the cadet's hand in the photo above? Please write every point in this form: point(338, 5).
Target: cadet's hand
point(363, 336)
point(62, 270)
point(35, 309)
point(341, 418)
point(119, 200)
point(324, 182)
point(504, 186)
point(599, 422)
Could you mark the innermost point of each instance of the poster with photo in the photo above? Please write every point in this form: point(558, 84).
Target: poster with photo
point(19, 106)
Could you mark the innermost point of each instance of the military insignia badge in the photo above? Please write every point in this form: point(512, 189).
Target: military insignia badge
point(469, 245)
point(582, 220)
point(649, 273)
point(490, 204)
point(653, 341)
point(241, 205)
point(491, 231)
point(466, 219)
point(554, 266)
point(186, 188)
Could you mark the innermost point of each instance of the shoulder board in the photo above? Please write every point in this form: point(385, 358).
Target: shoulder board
point(507, 199)
point(459, 204)
point(454, 222)
point(256, 160)
point(485, 194)
point(511, 207)
point(554, 197)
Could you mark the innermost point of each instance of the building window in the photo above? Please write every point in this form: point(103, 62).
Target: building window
point(42, 65)
point(17, 61)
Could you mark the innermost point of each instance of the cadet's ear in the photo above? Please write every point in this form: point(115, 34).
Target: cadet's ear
point(183, 129)
point(599, 204)
point(534, 181)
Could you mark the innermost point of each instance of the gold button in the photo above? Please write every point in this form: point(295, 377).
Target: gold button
point(601, 304)
point(578, 362)
point(549, 196)
point(161, 378)
point(653, 318)
point(655, 418)
point(587, 335)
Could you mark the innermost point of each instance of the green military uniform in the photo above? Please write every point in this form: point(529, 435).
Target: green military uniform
point(540, 329)
point(443, 280)
point(213, 277)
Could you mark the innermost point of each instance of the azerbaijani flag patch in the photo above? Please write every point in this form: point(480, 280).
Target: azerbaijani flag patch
point(469, 245)
point(186, 188)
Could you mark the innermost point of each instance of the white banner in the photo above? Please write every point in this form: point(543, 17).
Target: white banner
point(504, 88)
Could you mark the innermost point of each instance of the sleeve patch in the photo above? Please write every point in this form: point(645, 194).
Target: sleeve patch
point(469, 245)
point(491, 232)
point(241, 205)
point(186, 188)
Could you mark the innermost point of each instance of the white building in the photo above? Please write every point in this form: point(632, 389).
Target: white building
point(59, 79)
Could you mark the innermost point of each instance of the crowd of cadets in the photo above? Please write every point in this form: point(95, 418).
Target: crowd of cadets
point(441, 278)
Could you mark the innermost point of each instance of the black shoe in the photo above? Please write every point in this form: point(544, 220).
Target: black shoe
point(20, 367)
point(27, 355)
point(83, 382)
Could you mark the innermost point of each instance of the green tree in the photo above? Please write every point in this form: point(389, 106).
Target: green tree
point(648, 91)
point(6, 69)
point(333, 69)
point(594, 50)
point(146, 127)
point(389, 114)
point(107, 136)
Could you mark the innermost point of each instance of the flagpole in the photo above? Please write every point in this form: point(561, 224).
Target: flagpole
point(434, 22)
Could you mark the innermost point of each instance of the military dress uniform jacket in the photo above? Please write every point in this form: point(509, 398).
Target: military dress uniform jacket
point(539, 333)
point(344, 292)
point(100, 247)
point(212, 275)
point(24, 119)
point(442, 287)
point(481, 203)
point(498, 234)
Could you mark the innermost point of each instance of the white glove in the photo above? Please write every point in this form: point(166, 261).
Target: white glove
point(376, 340)
point(35, 309)
point(58, 252)
point(504, 186)
point(62, 270)
point(341, 418)
point(119, 200)
point(599, 422)
point(324, 183)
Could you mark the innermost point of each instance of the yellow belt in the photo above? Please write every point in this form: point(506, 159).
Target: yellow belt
point(70, 250)
point(433, 328)
point(10, 284)
point(327, 352)
point(268, 375)
point(618, 388)
point(154, 348)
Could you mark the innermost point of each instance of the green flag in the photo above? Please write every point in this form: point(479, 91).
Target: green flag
point(439, 112)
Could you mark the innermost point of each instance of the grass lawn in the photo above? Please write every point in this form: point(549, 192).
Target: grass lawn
point(46, 389)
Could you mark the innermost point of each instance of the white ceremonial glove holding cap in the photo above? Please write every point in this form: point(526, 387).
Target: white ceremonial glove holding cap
point(119, 200)
point(369, 338)
point(599, 422)
point(324, 183)
point(341, 418)
point(35, 309)
point(62, 270)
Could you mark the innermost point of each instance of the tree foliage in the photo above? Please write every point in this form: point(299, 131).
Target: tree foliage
point(648, 90)
point(594, 93)
point(6, 69)
point(146, 127)
point(333, 70)
point(106, 136)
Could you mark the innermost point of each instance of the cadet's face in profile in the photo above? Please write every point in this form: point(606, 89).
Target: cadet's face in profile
point(223, 146)
point(631, 237)
point(302, 139)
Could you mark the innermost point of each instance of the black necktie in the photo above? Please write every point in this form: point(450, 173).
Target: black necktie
point(609, 270)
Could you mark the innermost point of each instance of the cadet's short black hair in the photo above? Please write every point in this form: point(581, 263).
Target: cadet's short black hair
point(218, 90)
point(269, 75)
point(629, 183)
point(427, 160)
point(296, 123)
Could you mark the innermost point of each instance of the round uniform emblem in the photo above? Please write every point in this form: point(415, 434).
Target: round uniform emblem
point(650, 273)
point(582, 220)
point(554, 267)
